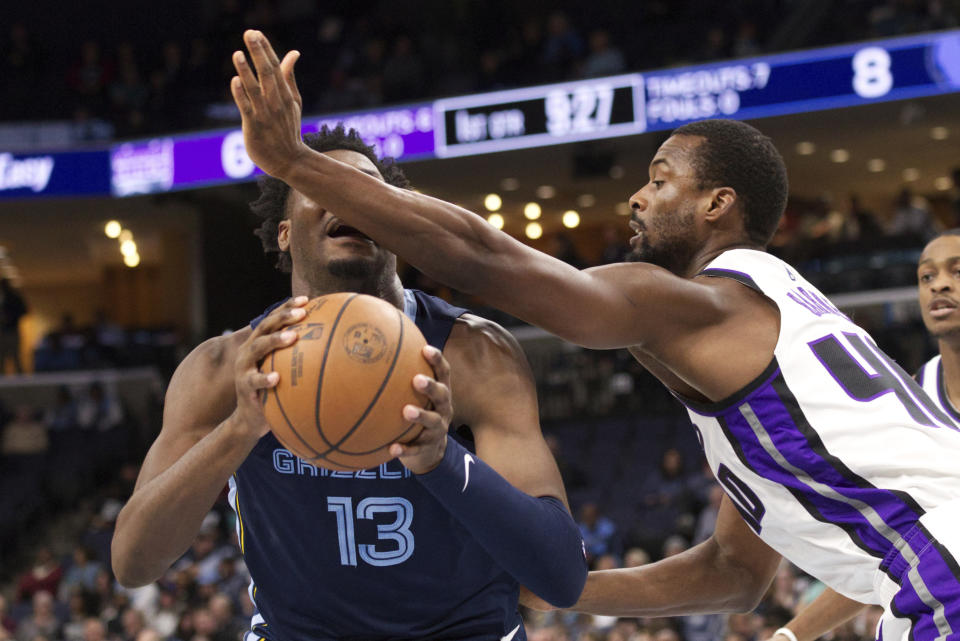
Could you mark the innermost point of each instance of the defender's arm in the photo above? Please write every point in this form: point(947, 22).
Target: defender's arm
point(829, 610)
point(729, 572)
point(614, 306)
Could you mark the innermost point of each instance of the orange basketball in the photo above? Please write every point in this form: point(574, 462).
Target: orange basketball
point(344, 382)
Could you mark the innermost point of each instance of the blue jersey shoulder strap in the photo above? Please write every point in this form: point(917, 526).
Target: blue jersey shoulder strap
point(434, 316)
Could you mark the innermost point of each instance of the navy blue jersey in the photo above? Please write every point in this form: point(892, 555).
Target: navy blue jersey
point(364, 555)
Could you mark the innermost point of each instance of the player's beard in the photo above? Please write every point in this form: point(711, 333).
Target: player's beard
point(674, 244)
point(361, 274)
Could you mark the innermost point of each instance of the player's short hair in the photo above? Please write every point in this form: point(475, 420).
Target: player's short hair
point(954, 231)
point(734, 154)
point(271, 206)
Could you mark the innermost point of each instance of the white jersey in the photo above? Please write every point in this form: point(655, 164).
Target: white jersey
point(930, 378)
point(833, 454)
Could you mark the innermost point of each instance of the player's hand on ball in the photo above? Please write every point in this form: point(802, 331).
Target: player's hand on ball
point(269, 104)
point(426, 451)
point(249, 381)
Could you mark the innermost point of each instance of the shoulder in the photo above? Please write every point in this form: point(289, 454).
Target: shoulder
point(211, 360)
point(481, 344)
point(487, 364)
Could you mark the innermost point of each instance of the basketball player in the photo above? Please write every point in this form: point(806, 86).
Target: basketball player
point(938, 292)
point(829, 454)
point(433, 548)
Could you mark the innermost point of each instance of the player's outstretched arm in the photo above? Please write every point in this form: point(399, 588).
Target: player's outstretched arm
point(510, 495)
point(617, 306)
point(729, 572)
point(827, 611)
point(212, 419)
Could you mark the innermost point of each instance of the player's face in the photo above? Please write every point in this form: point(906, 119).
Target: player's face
point(321, 244)
point(938, 283)
point(663, 213)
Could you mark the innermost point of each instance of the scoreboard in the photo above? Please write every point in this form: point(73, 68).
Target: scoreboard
point(817, 79)
point(844, 76)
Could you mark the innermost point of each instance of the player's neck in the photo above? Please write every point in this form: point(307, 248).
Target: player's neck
point(385, 286)
point(950, 359)
point(708, 254)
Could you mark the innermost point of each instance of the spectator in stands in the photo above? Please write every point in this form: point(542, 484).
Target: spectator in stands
point(133, 623)
point(674, 545)
point(707, 520)
point(604, 59)
point(167, 616)
point(229, 579)
point(229, 627)
point(62, 416)
point(42, 620)
point(912, 217)
point(666, 498)
point(573, 477)
point(563, 47)
point(404, 75)
point(81, 574)
point(12, 309)
point(783, 592)
point(24, 437)
point(866, 229)
point(79, 610)
point(562, 248)
point(94, 630)
point(599, 532)
point(90, 76)
point(615, 248)
point(635, 557)
point(7, 623)
point(99, 410)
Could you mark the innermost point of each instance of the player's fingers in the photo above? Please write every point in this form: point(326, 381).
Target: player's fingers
point(265, 62)
point(257, 380)
point(429, 419)
point(288, 313)
point(241, 98)
point(261, 346)
point(247, 79)
point(439, 363)
point(438, 393)
point(286, 69)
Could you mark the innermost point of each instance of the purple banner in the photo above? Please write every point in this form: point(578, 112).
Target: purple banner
point(187, 162)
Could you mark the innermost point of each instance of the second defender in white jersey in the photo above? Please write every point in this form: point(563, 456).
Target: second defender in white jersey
point(714, 186)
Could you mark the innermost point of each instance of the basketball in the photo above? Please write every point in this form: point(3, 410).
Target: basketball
point(344, 382)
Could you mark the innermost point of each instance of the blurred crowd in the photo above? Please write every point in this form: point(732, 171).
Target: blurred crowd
point(105, 344)
point(142, 74)
point(67, 591)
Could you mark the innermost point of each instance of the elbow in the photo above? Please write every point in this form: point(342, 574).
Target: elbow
point(564, 588)
point(567, 595)
point(747, 597)
point(123, 561)
point(129, 576)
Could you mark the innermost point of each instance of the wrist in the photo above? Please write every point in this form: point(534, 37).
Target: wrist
point(787, 633)
point(295, 160)
point(239, 431)
point(446, 459)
